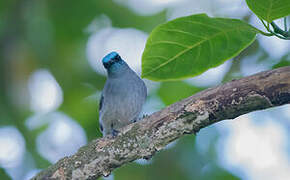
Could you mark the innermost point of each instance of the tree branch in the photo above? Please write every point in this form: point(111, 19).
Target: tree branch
point(151, 134)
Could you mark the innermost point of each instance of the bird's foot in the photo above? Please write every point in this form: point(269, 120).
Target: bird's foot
point(115, 132)
point(140, 118)
point(147, 157)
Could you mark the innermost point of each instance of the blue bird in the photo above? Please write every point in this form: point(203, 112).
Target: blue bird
point(122, 97)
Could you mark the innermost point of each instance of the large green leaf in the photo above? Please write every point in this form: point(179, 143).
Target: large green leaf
point(188, 46)
point(270, 10)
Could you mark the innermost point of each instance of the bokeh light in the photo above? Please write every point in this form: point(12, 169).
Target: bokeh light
point(220, 8)
point(148, 7)
point(211, 77)
point(129, 43)
point(254, 151)
point(190, 7)
point(46, 94)
point(62, 138)
point(31, 174)
point(251, 65)
point(153, 103)
point(51, 49)
point(275, 47)
point(12, 147)
point(144, 162)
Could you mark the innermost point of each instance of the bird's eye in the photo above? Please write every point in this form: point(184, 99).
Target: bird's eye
point(116, 58)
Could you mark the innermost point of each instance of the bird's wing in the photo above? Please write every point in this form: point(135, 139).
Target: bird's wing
point(100, 111)
point(101, 103)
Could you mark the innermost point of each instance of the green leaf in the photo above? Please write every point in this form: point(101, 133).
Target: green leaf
point(188, 46)
point(270, 10)
point(170, 92)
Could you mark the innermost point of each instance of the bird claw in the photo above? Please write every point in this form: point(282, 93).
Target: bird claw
point(147, 157)
point(140, 118)
point(115, 132)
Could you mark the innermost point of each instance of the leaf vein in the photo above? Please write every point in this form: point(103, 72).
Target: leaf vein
point(196, 22)
point(169, 42)
point(191, 47)
point(180, 31)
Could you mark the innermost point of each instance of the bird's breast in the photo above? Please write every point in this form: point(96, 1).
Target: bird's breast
point(124, 98)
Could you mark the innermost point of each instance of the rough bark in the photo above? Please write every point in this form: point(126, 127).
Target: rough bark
point(151, 134)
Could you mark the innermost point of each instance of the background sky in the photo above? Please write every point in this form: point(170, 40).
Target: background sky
point(51, 78)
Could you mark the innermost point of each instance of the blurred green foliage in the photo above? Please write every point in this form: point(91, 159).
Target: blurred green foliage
point(173, 91)
point(285, 61)
point(3, 175)
point(51, 34)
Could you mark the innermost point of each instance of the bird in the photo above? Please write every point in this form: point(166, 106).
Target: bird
point(123, 95)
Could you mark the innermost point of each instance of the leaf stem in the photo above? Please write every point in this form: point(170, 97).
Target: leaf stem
point(278, 32)
point(285, 24)
point(265, 33)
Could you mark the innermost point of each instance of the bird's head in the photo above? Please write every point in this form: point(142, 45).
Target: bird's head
point(111, 59)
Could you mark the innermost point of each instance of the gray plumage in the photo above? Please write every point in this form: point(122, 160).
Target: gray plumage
point(122, 97)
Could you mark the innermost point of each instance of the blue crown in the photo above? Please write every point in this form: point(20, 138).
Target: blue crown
point(110, 56)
